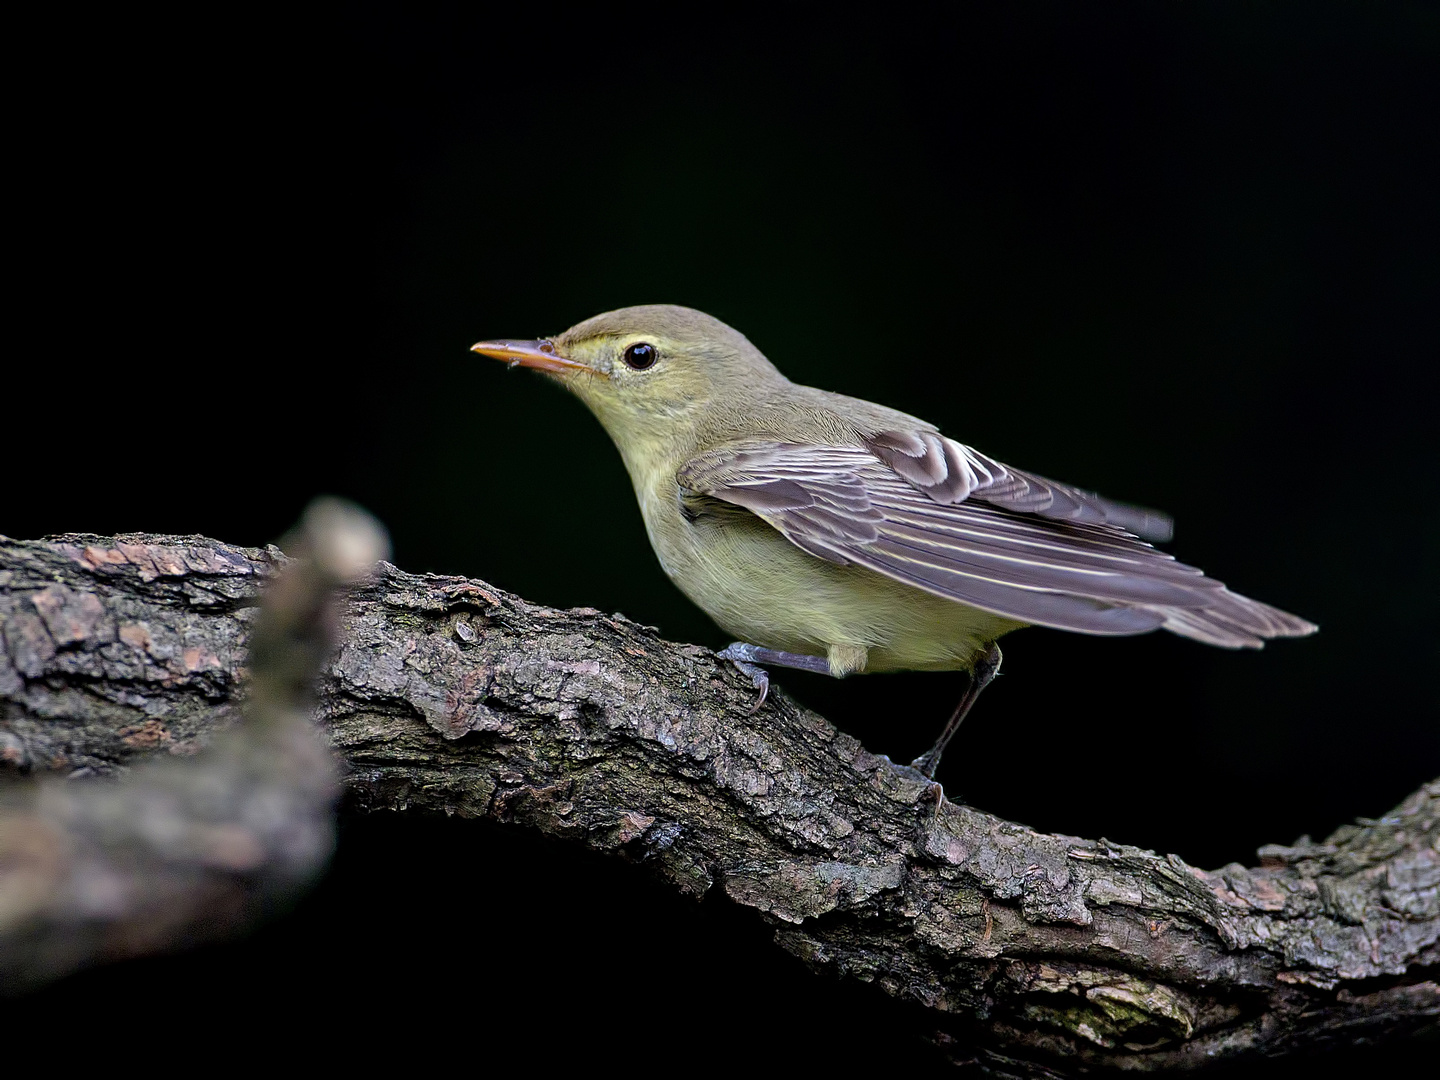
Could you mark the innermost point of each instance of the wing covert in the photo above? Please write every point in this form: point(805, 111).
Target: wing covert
point(950, 472)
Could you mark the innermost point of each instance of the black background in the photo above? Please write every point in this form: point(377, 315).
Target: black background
point(1181, 254)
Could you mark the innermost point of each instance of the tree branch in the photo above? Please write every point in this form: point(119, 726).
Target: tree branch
point(1032, 950)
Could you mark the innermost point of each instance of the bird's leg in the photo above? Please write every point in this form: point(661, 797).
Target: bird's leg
point(986, 668)
point(748, 659)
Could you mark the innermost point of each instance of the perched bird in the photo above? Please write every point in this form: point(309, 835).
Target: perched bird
point(835, 535)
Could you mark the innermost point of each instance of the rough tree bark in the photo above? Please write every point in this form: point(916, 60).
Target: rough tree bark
point(1034, 951)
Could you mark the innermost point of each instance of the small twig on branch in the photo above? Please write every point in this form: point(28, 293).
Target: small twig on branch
point(1032, 950)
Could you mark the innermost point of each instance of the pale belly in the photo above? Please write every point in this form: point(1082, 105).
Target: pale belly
point(764, 590)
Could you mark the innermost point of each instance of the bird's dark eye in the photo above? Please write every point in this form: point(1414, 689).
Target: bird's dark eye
point(640, 356)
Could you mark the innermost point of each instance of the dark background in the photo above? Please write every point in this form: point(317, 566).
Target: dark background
point(1181, 254)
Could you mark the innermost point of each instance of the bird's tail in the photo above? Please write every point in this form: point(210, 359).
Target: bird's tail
point(1233, 621)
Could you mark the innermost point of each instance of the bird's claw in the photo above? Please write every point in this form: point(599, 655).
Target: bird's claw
point(925, 765)
point(916, 772)
point(923, 769)
point(759, 677)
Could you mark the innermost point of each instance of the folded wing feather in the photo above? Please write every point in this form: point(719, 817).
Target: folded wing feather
point(935, 514)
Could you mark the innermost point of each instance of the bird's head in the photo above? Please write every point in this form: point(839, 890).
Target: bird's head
point(650, 374)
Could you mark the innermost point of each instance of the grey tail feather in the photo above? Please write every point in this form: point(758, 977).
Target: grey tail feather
point(1232, 621)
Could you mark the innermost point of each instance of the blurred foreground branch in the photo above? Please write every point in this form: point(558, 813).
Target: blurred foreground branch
point(184, 848)
point(1032, 951)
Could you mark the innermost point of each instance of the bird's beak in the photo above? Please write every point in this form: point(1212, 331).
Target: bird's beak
point(531, 354)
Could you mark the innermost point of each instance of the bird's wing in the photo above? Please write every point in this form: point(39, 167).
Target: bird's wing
point(950, 472)
point(910, 507)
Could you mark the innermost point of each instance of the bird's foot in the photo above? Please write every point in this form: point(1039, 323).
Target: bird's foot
point(910, 772)
point(748, 659)
point(743, 656)
point(925, 765)
point(934, 789)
